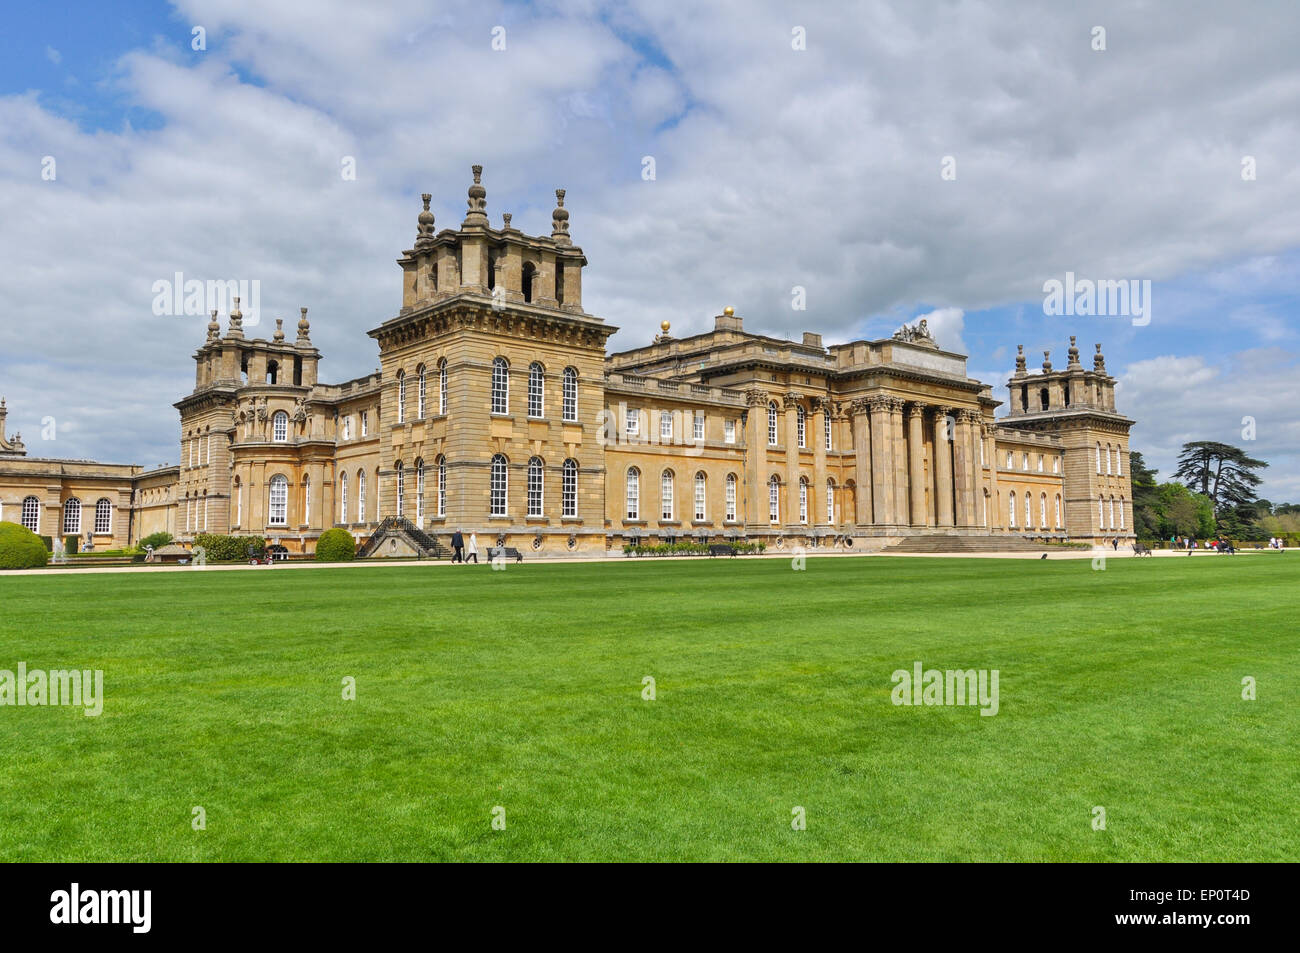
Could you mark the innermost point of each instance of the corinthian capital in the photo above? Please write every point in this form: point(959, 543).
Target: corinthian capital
point(792, 399)
point(916, 411)
point(860, 406)
point(756, 397)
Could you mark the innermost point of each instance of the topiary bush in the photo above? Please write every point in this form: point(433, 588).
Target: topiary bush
point(219, 548)
point(156, 540)
point(336, 545)
point(20, 548)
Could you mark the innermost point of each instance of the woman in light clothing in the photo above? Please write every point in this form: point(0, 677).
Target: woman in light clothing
point(473, 548)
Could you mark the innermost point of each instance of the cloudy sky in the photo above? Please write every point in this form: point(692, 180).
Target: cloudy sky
point(892, 159)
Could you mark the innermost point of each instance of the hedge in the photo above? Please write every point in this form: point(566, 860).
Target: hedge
point(156, 540)
point(218, 548)
point(336, 545)
point(687, 549)
point(20, 548)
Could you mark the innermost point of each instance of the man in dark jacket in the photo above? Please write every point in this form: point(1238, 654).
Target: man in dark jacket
point(457, 547)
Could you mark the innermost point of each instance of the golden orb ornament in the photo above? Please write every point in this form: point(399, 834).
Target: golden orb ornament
point(663, 326)
point(728, 310)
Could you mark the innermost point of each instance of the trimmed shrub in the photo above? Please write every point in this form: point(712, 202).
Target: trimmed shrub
point(48, 541)
point(336, 545)
point(156, 540)
point(218, 548)
point(20, 548)
point(71, 544)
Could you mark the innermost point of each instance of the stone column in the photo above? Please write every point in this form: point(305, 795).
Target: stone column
point(976, 420)
point(817, 420)
point(898, 460)
point(859, 410)
point(991, 455)
point(791, 402)
point(916, 479)
point(882, 471)
point(962, 469)
point(943, 489)
point(756, 470)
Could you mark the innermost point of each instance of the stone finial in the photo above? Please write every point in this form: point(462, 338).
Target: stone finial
point(424, 228)
point(278, 337)
point(304, 328)
point(560, 220)
point(236, 327)
point(214, 327)
point(477, 201)
point(1099, 361)
point(1047, 362)
point(505, 220)
point(1074, 353)
point(729, 311)
point(1020, 360)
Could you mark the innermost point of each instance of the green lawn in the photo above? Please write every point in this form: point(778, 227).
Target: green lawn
point(523, 689)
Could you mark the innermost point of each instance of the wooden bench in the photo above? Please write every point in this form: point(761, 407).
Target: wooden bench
point(721, 550)
point(509, 551)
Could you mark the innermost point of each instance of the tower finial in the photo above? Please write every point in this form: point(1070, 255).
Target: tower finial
point(278, 337)
point(214, 327)
point(1099, 361)
point(236, 327)
point(560, 220)
point(1020, 360)
point(1074, 353)
point(1047, 362)
point(424, 228)
point(477, 201)
point(304, 328)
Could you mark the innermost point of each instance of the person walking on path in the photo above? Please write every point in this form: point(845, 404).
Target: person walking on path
point(473, 547)
point(457, 547)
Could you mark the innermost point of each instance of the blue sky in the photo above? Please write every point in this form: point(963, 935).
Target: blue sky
point(776, 168)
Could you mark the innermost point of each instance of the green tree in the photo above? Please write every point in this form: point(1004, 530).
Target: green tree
point(1221, 472)
point(1146, 497)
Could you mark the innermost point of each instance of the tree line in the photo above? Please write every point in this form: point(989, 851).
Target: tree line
point(1212, 494)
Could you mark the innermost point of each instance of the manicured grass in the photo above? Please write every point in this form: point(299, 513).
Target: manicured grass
point(523, 689)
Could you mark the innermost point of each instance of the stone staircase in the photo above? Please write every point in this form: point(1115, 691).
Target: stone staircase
point(402, 528)
point(952, 543)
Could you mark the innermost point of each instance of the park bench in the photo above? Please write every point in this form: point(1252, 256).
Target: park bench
point(1140, 549)
point(721, 550)
point(509, 553)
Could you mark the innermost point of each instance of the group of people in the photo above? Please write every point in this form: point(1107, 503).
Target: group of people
point(1276, 542)
point(458, 551)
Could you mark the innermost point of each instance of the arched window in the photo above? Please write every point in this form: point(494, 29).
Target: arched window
point(419, 488)
point(1058, 511)
point(1042, 397)
point(1042, 511)
point(401, 397)
point(803, 499)
point(1101, 512)
point(401, 487)
point(535, 486)
point(801, 429)
point(830, 502)
point(1099, 458)
point(771, 423)
point(103, 517)
point(530, 270)
point(731, 498)
point(1107, 459)
point(500, 386)
point(237, 490)
point(1121, 512)
point(1112, 512)
point(279, 508)
point(361, 496)
point(827, 418)
point(986, 508)
point(280, 427)
point(343, 497)
point(1119, 471)
point(72, 517)
point(306, 503)
point(498, 487)
point(666, 495)
point(536, 383)
point(774, 499)
point(633, 493)
point(420, 389)
point(272, 372)
point(442, 386)
point(1029, 512)
point(442, 486)
point(701, 496)
point(570, 394)
point(1011, 509)
point(569, 489)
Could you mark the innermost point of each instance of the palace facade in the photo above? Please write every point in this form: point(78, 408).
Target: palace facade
point(499, 409)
